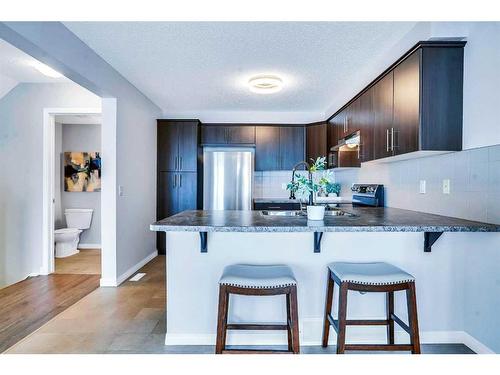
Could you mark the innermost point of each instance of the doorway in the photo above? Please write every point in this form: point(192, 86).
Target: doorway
point(77, 194)
point(53, 170)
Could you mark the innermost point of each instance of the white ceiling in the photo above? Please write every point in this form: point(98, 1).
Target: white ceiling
point(190, 68)
point(16, 66)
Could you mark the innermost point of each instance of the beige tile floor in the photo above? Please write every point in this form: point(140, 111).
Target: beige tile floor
point(86, 262)
point(131, 319)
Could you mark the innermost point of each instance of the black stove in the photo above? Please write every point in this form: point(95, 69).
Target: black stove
point(368, 195)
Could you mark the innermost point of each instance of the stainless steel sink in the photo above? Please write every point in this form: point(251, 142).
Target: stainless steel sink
point(282, 213)
point(334, 212)
point(337, 213)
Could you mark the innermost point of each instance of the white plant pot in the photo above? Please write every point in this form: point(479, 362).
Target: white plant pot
point(315, 212)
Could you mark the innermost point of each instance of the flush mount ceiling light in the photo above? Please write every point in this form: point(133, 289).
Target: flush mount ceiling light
point(45, 69)
point(265, 84)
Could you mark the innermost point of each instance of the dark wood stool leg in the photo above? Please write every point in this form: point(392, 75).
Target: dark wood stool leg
point(220, 344)
point(342, 318)
point(328, 309)
point(411, 300)
point(294, 315)
point(390, 311)
point(289, 322)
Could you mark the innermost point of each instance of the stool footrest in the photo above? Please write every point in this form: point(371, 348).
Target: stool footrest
point(255, 351)
point(381, 347)
point(257, 327)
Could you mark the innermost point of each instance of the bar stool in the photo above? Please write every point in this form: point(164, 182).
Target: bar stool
point(257, 280)
point(371, 277)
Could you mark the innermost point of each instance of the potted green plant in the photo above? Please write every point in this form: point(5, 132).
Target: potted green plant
point(306, 188)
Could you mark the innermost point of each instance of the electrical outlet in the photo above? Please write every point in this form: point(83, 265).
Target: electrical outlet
point(120, 191)
point(446, 186)
point(422, 186)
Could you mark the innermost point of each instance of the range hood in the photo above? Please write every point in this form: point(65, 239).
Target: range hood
point(346, 154)
point(352, 141)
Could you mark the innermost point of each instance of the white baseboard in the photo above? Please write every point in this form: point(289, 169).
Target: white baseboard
point(89, 246)
point(476, 345)
point(355, 335)
point(124, 276)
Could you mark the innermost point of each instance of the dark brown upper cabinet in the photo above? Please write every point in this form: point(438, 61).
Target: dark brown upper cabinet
point(218, 134)
point(278, 147)
point(383, 106)
point(415, 105)
point(316, 141)
point(177, 145)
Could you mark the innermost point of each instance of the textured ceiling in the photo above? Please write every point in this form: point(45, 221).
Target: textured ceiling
point(195, 67)
point(15, 64)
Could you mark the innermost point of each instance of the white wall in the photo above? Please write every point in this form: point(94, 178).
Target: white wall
point(79, 137)
point(131, 146)
point(21, 119)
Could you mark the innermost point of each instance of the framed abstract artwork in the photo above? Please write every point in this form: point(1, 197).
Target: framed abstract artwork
point(82, 171)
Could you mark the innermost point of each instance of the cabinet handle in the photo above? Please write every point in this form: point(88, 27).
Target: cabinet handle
point(347, 124)
point(175, 180)
point(180, 164)
point(180, 180)
point(387, 139)
point(392, 139)
point(175, 163)
point(359, 151)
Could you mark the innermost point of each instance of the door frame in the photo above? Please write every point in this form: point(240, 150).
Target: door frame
point(48, 256)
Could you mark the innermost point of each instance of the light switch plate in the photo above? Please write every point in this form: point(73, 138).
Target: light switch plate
point(446, 186)
point(120, 190)
point(422, 187)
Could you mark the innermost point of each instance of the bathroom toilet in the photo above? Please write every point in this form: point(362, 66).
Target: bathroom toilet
point(66, 239)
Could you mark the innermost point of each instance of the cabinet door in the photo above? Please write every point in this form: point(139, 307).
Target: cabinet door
point(407, 104)
point(213, 134)
point(267, 148)
point(366, 125)
point(188, 146)
point(383, 101)
point(241, 134)
point(316, 141)
point(292, 148)
point(337, 126)
point(353, 113)
point(166, 203)
point(167, 146)
point(186, 191)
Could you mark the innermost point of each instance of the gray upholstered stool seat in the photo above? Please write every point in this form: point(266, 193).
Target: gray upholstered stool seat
point(258, 276)
point(376, 273)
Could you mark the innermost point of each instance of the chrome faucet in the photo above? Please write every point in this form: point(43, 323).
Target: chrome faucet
point(308, 166)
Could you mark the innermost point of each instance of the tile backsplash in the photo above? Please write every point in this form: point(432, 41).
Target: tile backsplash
point(474, 183)
point(269, 184)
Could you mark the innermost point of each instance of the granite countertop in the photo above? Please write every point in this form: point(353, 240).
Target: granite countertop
point(367, 219)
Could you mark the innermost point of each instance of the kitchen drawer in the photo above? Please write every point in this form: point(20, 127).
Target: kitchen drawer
point(276, 206)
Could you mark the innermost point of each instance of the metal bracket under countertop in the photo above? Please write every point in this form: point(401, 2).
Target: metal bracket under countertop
point(203, 242)
point(429, 239)
point(317, 241)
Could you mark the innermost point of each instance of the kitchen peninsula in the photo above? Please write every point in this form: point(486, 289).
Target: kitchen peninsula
point(201, 243)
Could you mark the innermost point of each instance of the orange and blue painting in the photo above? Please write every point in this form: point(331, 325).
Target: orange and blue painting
point(82, 171)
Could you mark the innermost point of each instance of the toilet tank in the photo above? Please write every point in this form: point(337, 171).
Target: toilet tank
point(79, 218)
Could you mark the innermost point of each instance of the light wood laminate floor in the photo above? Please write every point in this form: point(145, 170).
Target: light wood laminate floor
point(131, 319)
point(29, 304)
point(86, 262)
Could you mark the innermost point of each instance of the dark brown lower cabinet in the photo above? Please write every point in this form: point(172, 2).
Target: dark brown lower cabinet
point(177, 191)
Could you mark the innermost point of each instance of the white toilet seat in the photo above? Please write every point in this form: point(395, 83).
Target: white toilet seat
point(67, 231)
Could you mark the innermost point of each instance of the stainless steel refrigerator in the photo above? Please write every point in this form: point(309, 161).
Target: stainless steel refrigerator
point(228, 178)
